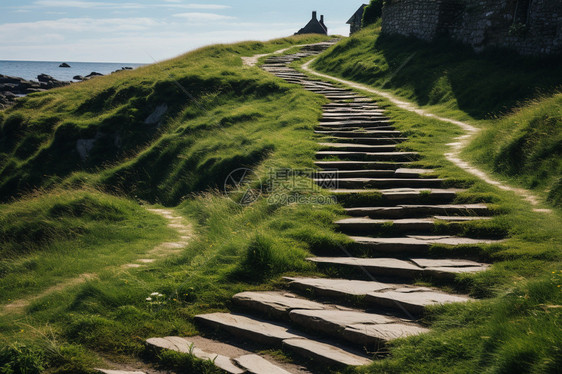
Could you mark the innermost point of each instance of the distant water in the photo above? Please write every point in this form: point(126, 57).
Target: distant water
point(31, 69)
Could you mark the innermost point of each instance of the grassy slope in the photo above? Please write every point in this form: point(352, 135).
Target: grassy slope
point(109, 316)
point(510, 97)
point(262, 123)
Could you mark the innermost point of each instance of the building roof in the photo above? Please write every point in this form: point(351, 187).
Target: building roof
point(358, 15)
point(314, 26)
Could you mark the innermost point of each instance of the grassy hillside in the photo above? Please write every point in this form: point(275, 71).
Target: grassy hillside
point(86, 219)
point(202, 94)
point(514, 99)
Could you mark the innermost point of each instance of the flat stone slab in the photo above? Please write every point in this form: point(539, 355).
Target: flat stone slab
point(325, 353)
point(177, 344)
point(369, 224)
point(461, 219)
point(255, 364)
point(369, 334)
point(249, 327)
point(278, 304)
point(381, 266)
point(402, 211)
point(414, 301)
point(105, 371)
point(415, 243)
point(340, 287)
point(399, 268)
point(334, 321)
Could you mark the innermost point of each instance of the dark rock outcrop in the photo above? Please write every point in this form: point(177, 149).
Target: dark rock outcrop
point(64, 65)
point(12, 87)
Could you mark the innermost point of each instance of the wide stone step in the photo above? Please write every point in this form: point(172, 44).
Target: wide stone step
point(359, 165)
point(398, 297)
point(404, 211)
point(413, 243)
point(368, 225)
point(342, 174)
point(370, 156)
point(279, 335)
point(360, 133)
point(384, 183)
point(369, 141)
point(356, 197)
point(181, 345)
point(333, 320)
point(231, 359)
point(358, 147)
point(347, 126)
point(411, 268)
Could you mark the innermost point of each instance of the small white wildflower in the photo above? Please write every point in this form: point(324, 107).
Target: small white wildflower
point(154, 294)
point(149, 299)
point(160, 295)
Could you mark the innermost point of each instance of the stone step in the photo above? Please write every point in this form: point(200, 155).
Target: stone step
point(325, 353)
point(413, 243)
point(107, 371)
point(358, 147)
point(401, 225)
point(370, 156)
point(333, 320)
point(279, 335)
point(182, 345)
point(392, 296)
point(354, 197)
point(227, 357)
point(341, 174)
point(411, 268)
point(403, 211)
point(360, 123)
point(369, 141)
point(383, 183)
point(361, 134)
point(359, 111)
point(354, 127)
point(359, 165)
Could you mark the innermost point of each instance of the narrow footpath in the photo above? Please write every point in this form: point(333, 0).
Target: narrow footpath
point(330, 323)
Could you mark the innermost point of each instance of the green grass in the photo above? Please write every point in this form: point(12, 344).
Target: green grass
point(514, 99)
point(94, 224)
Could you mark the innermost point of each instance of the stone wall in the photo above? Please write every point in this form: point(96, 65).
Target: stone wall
point(531, 27)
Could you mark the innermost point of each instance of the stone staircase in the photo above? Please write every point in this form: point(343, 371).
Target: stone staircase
point(331, 323)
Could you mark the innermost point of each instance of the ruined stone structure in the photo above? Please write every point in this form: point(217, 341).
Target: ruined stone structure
point(530, 27)
point(315, 26)
point(355, 22)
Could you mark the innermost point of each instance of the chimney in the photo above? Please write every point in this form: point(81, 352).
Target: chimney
point(314, 15)
point(322, 19)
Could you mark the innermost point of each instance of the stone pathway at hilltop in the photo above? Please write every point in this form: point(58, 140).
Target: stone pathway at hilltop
point(332, 323)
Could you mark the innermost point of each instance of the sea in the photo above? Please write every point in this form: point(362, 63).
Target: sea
point(29, 70)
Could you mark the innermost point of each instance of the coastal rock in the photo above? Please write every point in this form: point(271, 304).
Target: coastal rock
point(78, 78)
point(94, 74)
point(10, 87)
point(64, 65)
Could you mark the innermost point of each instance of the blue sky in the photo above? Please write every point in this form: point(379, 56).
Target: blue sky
point(148, 30)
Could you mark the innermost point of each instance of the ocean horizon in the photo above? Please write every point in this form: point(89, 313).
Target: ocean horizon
point(31, 69)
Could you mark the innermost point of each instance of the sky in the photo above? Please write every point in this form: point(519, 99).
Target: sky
point(146, 31)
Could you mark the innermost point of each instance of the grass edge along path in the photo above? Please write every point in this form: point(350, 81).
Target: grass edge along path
point(456, 148)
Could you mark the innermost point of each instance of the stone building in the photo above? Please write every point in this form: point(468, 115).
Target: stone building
point(530, 27)
point(355, 22)
point(315, 26)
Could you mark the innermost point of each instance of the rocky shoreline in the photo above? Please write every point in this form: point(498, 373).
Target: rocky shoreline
point(13, 87)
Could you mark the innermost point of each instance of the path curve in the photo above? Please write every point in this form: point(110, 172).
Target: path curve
point(164, 249)
point(456, 148)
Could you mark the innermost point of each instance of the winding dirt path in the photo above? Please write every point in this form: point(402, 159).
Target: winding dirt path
point(456, 148)
point(162, 250)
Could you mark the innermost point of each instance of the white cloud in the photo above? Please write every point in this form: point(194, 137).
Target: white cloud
point(197, 17)
point(12, 32)
point(81, 4)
